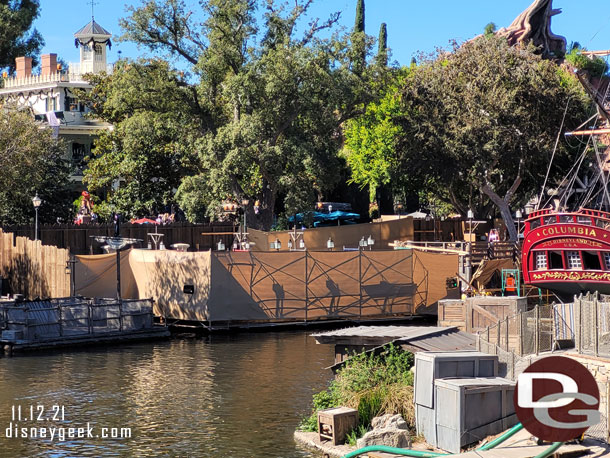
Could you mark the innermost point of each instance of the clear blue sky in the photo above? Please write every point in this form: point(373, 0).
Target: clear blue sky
point(413, 25)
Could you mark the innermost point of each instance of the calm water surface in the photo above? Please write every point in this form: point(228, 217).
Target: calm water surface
point(225, 396)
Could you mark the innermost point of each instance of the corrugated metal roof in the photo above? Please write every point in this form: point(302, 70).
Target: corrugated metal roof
point(395, 332)
point(93, 28)
point(450, 341)
point(413, 338)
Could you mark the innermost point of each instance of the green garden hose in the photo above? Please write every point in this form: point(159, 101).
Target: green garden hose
point(420, 454)
point(394, 450)
point(498, 440)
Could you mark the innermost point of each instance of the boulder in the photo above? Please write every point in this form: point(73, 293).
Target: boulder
point(389, 421)
point(390, 430)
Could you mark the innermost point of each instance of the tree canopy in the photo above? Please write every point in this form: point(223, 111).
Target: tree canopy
point(17, 38)
point(150, 148)
point(476, 126)
point(266, 103)
point(32, 163)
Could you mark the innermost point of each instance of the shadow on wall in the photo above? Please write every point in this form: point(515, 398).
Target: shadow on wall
point(24, 276)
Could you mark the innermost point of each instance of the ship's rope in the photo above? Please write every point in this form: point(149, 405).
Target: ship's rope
point(548, 170)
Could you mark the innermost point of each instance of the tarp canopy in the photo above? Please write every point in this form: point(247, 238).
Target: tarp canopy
point(487, 269)
point(143, 221)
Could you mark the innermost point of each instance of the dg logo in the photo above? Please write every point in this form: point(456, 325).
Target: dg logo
point(557, 399)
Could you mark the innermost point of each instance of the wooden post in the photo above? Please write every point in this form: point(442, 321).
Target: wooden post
point(512, 369)
point(499, 325)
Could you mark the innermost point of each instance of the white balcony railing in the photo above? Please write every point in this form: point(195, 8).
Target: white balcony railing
point(75, 73)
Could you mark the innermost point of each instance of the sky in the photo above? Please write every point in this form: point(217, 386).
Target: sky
point(413, 25)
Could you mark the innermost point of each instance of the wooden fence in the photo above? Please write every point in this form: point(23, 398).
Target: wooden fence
point(32, 269)
point(77, 239)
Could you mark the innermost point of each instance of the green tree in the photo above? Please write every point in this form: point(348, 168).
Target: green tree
point(156, 120)
point(371, 140)
point(359, 39)
point(16, 36)
point(271, 109)
point(32, 162)
point(382, 51)
point(479, 125)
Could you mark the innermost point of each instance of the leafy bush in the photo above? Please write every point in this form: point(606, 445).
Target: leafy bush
point(355, 434)
point(374, 384)
point(595, 66)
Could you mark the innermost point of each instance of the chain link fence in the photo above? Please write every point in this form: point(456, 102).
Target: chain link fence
point(584, 324)
point(593, 325)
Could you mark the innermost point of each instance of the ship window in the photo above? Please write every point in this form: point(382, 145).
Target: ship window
point(541, 261)
point(566, 219)
point(573, 260)
point(550, 219)
point(534, 224)
point(555, 260)
point(607, 260)
point(603, 223)
point(583, 219)
point(590, 260)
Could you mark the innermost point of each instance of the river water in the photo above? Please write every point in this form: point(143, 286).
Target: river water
point(238, 395)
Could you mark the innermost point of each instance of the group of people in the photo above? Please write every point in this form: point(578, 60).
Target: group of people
point(85, 213)
point(165, 218)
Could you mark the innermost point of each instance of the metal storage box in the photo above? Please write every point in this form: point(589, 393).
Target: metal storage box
point(425, 423)
point(472, 409)
point(432, 365)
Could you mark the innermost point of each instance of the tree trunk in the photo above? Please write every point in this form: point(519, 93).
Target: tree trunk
point(504, 207)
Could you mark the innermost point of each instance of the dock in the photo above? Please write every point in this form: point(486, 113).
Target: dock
point(76, 321)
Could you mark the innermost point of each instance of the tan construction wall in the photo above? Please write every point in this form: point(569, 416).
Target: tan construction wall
point(348, 235)
point(95, 276)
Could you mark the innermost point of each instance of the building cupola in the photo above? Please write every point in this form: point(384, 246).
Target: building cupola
point(92, 40)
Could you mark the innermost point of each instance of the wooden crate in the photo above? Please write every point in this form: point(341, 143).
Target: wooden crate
point(335, 424)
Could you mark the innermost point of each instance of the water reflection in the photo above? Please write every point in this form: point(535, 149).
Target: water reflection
point(230, 396)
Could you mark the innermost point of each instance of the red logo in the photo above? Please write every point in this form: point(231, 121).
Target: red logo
point(557, 399)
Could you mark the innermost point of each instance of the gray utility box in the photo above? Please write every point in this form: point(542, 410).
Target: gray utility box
point(468, 410)
point(431, 365)
point(425, 423)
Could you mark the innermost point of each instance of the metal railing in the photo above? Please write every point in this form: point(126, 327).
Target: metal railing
point(38, 321)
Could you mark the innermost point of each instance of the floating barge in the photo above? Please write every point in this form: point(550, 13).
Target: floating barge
point(67, 322)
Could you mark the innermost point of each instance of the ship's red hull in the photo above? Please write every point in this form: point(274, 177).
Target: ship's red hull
point(567, 253)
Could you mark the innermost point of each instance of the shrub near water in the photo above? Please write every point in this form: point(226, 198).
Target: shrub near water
point(373, 384)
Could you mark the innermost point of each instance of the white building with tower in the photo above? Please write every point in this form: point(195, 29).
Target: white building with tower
point(50, 95)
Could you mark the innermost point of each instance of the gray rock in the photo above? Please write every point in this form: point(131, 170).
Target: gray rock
point(390, 430)
point(389, 421)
